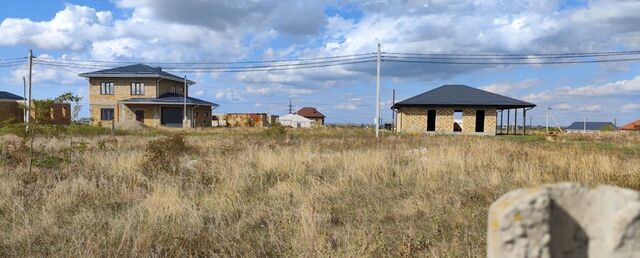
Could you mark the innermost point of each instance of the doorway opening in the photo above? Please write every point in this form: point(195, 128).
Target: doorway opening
point(431, 120)
point(480, 121)
point(140, 116)
point(457, 120)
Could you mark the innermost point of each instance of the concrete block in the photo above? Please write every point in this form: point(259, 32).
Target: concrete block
point(565, 220)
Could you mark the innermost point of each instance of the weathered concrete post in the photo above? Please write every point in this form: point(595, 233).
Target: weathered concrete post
point(565, 220)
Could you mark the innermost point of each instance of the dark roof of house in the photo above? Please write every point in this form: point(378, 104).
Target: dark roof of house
point(136, 70)
point(169, 99)
point(7, 95)
point(591, 126)
point(310, 112)
point(635, 125)
point(462, 95)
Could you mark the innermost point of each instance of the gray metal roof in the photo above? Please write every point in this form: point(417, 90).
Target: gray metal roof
point(169, 99)
point(8, 95)
point(136, 71)
point(591, 126)
point(462, 95)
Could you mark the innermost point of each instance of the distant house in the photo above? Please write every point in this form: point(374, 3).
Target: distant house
point(313, 114)
point(295, 121)
point(633, 126)
point(460, 109)
point(145, 94)
point(12, 109)
point(590, 127)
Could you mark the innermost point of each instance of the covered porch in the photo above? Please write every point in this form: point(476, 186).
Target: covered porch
point(168, 110)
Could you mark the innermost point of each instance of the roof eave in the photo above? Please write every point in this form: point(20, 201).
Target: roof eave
point(133, 75)
point(501, 106)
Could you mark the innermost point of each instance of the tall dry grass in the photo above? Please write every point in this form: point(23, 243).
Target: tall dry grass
point(323, 192)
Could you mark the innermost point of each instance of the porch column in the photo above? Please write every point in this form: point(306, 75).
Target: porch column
point(508, 116)
point(515, 121)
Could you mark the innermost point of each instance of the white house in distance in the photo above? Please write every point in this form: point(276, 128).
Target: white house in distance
point(295, 121)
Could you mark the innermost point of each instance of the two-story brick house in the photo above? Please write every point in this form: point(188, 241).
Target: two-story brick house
point(145, 94)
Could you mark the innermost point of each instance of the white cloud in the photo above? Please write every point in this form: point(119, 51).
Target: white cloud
point(277, 88)
point(229, 94)
point(72, 28)
point(504, 88)
point(618, 88)
point(631, 107)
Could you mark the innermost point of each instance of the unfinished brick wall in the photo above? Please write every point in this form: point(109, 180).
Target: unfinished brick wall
point(414, 119)
point(565, 220)
point(10, 111)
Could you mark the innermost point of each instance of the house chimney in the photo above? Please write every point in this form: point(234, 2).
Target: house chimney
point(158, 68)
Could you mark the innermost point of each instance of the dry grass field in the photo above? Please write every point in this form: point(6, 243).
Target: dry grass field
point(280, 193)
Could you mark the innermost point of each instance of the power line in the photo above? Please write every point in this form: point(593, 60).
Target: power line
point(228, 62)
point(506, 55)
point(511, 63)
point(233, 70)
point(422, 57)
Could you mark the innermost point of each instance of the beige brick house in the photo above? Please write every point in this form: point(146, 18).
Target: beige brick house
point(145, 94)
point(457, 109)
point(313, 114)
point(12, 110)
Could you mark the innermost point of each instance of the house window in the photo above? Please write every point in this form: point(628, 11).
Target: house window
point(137, 88)
point(195, 114)
point(205, 114)
point(106, 88)
point(106, 114)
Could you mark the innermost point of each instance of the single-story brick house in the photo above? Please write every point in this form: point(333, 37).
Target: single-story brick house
point(12, 110)
point(590, 127)
point(312, 114)
point(145, 94)
point(458, 109)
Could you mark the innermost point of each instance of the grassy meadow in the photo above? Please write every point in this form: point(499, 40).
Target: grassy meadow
point(279, 192)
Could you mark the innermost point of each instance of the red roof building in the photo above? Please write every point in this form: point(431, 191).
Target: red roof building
point(635, 125)
point(313, 114)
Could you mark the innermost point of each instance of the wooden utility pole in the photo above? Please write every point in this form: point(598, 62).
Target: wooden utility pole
point(30, 65)
point(378, 93)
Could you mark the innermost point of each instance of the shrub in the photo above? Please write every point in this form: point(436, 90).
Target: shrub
point(276, 131)
point(163, 155)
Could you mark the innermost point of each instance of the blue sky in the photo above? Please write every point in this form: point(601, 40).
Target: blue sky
point(212, 31)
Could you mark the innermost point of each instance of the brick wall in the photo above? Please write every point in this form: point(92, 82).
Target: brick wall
point(168, 86)
point(414, 119)
point(10, 111)
point(202, 116)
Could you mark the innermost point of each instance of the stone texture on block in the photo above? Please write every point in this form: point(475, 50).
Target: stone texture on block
point(565, 220)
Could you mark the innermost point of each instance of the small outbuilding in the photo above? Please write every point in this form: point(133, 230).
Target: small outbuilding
point(459, 109)
point(313, 114)
point(295, 121)
point(590, 127)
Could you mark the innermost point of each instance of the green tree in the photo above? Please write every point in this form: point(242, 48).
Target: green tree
point(69, 97)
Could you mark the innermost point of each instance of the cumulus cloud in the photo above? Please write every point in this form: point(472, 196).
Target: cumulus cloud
point(72, 28)
point(631, 107)
point(504, 88)
point(230, 94)
point(619, 88)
